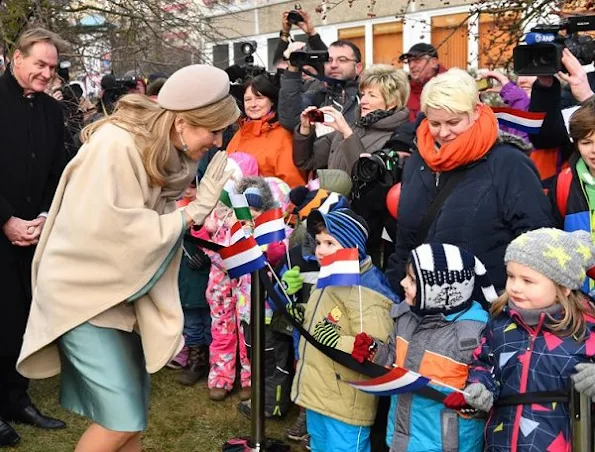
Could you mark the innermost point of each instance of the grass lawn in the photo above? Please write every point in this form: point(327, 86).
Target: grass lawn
point(181, 419)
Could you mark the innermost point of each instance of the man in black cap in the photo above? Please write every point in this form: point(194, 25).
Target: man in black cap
point(422, 60)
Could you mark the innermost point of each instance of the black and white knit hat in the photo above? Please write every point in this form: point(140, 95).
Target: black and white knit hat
point(446, 276)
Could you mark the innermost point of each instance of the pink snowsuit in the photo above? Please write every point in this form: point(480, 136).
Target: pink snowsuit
point(228, 300)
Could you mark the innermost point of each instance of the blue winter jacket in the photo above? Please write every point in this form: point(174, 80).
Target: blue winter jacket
point(499, 198)
point(515, 358)
point(439, 347)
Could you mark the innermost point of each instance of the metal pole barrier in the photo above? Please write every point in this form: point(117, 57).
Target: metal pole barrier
point(257, 433)
point(581, 421)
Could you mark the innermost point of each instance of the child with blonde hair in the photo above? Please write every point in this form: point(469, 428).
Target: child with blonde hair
point(540, 338)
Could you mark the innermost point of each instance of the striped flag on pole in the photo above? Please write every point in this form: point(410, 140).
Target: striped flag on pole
point(228, 189)
point(524, 121)
point(397, 381)
point(340, 269)
point(242, 257)
point(269, 227)
point(240, 206)
point(237, 233)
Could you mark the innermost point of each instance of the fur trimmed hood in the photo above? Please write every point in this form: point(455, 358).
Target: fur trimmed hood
point(268, 200)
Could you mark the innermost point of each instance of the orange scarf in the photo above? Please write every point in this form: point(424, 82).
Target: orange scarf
point(468, 147)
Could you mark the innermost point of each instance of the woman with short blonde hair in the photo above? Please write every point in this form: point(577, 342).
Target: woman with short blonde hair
point(105, 309)
point(492, 190)
point(384, 91)
point(392, 83)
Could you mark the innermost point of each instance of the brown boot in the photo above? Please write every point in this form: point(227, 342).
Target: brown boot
point(197, 367)
point(218, 394)
point(245, 393)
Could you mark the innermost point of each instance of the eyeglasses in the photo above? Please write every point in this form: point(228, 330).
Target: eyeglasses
point(340, 60)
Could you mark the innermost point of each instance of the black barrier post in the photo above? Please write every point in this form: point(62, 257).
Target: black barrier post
point(257, 433)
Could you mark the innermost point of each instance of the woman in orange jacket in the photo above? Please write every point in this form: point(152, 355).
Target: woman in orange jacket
point(261, 136)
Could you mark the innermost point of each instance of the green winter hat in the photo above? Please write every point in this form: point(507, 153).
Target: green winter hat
point(564, 257)
point(335, 180)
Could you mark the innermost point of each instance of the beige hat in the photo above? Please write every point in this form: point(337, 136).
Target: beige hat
point(182, 91)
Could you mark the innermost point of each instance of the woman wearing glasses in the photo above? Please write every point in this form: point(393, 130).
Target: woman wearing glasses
point(384, 91)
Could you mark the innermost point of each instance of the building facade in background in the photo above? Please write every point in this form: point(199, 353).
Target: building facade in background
point(382, 36)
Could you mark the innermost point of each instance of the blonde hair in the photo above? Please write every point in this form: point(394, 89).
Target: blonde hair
point(575, 306)
point(392, 83)
point(454, 90)
point(32, 36)
point(151, 124)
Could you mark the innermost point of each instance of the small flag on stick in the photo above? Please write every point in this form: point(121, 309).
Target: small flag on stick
point(237, 233)
point(269, 227)
point(242, 257)
point(397, 381)
point(340, 269)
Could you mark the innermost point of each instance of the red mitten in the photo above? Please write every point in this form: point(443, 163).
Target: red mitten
point(455, 401)
point(362, 347)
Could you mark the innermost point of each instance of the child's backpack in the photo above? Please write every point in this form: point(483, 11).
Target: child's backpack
point(563, 190)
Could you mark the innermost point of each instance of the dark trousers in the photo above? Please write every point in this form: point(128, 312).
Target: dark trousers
point(278, 362)
point(13, 386)
point(197, 326)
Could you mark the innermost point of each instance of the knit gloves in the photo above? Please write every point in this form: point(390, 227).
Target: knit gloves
point(364, 347)
point(296, 310)
point(584, 379)
point(327, 333)
point(476, 395)
point(209, 189)
point(199, 260)
point(292, 280)
point(479, 397)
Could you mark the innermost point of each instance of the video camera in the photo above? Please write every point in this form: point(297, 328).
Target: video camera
point(301, 58)
point(114, 88)
point(542, 53)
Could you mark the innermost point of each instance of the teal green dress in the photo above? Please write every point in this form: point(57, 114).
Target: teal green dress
point(104, 376)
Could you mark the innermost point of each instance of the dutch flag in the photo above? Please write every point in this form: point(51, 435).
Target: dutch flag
point(524, 121)
point(242, 257)
point(397, 381)
point(237, 233)
point(339, 269)
point(269, 227)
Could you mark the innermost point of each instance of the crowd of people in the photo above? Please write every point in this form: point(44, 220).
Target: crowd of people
point(475, 262)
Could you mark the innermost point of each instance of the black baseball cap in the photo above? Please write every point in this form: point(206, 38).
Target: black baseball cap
point(420, 49)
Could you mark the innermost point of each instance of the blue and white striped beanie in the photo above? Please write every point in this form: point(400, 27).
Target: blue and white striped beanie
point(347, 227)
point(446, 276)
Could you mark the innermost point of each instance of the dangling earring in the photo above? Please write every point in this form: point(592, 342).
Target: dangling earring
point(184, 145)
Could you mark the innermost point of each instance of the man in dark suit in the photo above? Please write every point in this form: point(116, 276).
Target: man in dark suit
point(32, 158)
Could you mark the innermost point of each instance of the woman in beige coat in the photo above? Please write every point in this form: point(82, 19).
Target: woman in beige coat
point(106, 309)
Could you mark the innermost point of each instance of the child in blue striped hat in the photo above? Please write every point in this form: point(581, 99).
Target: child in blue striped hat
point(437, 328)
point(338, 416)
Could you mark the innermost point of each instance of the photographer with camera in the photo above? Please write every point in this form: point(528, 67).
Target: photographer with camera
point(384, 95)
point(341, 70)
point(69, 98)
point(113, 89)
point(548, 96)
point(302, 20)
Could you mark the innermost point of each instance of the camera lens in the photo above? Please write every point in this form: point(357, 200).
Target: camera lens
point(368, 169)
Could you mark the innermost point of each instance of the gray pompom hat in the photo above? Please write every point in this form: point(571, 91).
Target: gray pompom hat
point(564, 257)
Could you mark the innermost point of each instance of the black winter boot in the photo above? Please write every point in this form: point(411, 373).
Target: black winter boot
point(197, 367)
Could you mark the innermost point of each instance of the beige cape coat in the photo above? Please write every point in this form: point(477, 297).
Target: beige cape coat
point(107, 234)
